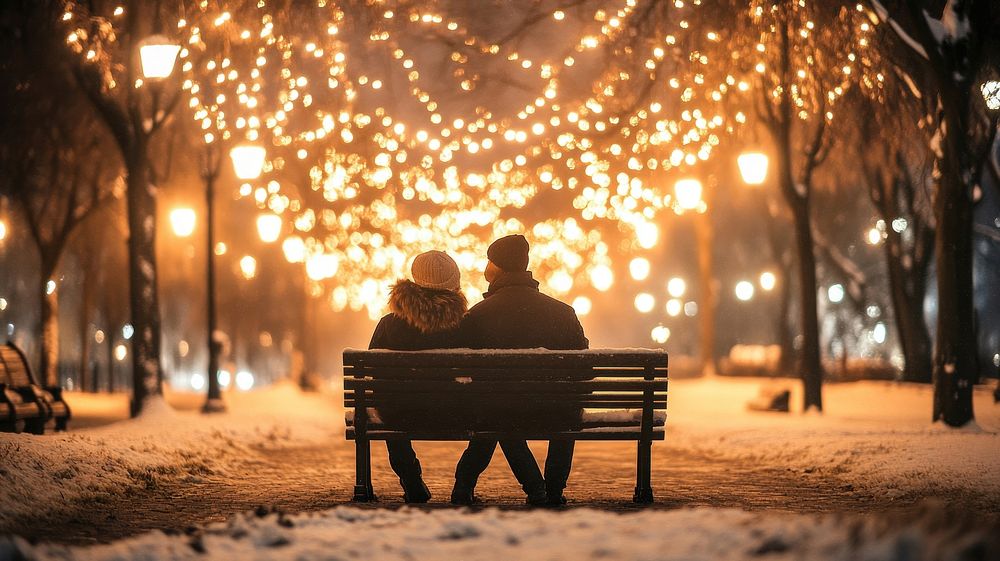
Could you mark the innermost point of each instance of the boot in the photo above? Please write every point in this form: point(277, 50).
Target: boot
point(414, 490)
point(464, 497)
point(537, 495)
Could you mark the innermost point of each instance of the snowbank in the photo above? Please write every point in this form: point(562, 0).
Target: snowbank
point(581, 534)
point(874, 435)
point(50, 471)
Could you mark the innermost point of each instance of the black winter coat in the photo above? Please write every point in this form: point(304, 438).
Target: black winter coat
point(420, 319)
point(515, 315)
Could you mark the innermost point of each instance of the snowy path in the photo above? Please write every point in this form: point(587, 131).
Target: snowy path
point(872, 451)
point(319, 477)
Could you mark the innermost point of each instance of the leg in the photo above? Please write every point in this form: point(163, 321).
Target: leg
point(404, 462)
point(472, 464)
point(363, 491)
point(643, 487)
point(558, 464)
point(525, 469)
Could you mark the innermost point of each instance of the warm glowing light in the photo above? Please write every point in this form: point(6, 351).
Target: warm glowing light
point(157, 55)
point(676, 287)
point(582, 305)
point(269, 227)
point(768, 280)
point(224, 378)
point(244, 380)
point(645, 302)
point(991, 93)
point(294, 249)
point(874, 236)
point(248, 160)
point(3, 230)
point(660, 334)
point(182, 221)
point(835, 293)
point(753, 167)
point(744, 290)
point(197, 382)
point(639, 268)
point(602, 278)
point(121, 351)
point(50, 287)
point(248, 266)
point(674, 307)
point(688, 193)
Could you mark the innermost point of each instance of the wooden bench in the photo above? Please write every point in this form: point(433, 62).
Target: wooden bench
point(24, 405)
point(623, 395)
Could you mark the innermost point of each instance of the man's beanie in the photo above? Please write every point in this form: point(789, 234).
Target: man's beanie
point(510, 253)
point(437, 270)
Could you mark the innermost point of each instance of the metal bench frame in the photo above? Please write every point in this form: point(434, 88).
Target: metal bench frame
point(592, 379)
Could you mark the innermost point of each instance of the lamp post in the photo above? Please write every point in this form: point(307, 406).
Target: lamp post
point(210, 169)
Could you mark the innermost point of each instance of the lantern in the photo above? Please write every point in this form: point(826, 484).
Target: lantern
point(688, 193)
point(157, 56)
point(248, 160)
point(269, 227)
point(182, 220)
point(753, 167)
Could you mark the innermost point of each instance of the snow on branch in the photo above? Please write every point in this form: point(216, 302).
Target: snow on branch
point(883, 14)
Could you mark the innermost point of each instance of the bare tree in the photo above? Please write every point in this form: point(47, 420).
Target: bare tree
point(105, 54)
point(953, 43)
point(58, 169)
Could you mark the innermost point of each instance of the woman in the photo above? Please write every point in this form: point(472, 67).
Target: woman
point(425, 314)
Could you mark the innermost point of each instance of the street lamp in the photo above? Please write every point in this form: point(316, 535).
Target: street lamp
point(269, 227)
point(688, 193)
point(248, 160)
point(3, 230)
point(991, 93)
point(753, 167)
point(157, 54)
point(182, 221)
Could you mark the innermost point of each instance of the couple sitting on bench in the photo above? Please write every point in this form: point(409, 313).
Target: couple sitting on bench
point(430, 312)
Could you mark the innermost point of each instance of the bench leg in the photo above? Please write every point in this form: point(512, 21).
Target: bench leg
point(35, 426)
point(643, 486)
point(363, 491)
point(61, 423)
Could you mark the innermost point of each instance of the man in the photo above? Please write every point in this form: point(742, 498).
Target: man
point(515, 315)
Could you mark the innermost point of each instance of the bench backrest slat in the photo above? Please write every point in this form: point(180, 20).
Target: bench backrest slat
point(534, 359)
point(14, 370)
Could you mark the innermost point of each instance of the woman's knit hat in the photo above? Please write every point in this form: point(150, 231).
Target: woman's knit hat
point(437, 270)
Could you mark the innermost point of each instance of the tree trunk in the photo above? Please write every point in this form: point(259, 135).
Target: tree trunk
point(87, 374)
point(709, 298)
point(49, 362)
point(955, 369)
point(810, 366)
point(907, 294)
point(143, 298)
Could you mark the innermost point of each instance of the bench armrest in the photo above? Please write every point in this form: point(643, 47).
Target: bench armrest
point(56, 392)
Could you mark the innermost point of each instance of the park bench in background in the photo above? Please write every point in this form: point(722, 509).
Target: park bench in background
point(623, 394)
point(24, 405)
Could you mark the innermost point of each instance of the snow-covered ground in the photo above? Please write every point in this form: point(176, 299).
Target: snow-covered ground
point(49, 472)
point(348, 533)
point(874, 435)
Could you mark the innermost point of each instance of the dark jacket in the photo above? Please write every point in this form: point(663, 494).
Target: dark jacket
point(420, 319)
point(515, 315)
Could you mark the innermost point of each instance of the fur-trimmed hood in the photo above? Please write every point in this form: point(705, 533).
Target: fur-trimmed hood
point(427, 309)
